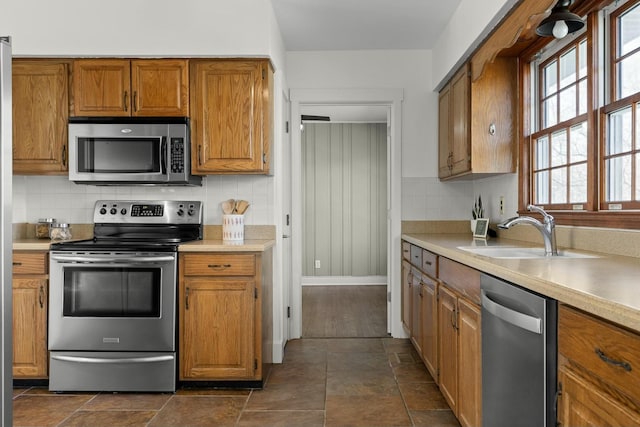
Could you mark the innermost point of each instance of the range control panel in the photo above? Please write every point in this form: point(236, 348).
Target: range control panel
point(147, 212)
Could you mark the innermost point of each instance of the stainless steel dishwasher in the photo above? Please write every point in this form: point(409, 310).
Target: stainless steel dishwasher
point(519, 362)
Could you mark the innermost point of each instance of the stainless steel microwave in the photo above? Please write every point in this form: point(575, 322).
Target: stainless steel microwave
point(121, 150)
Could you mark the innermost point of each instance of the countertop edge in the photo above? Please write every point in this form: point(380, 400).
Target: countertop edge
point(613, 311)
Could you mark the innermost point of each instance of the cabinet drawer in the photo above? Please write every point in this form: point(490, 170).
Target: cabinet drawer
point(416, 256)
point(430, 263)
point(406, 251)
point(458, 276)
point(219, 265)
point(30, 262)
point(609, 352)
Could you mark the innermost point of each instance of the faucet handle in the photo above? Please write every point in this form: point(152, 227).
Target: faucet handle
point(547, 218)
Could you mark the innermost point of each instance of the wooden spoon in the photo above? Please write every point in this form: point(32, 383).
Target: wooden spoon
point(228, 206)
point(242, 206)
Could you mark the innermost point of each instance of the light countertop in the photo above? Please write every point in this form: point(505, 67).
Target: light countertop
point(607, 286)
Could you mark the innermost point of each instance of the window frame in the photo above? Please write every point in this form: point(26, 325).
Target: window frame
point(592, 213)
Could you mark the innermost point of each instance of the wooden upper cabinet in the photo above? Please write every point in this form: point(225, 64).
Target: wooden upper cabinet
point(123, 87)
point(477, 122)
point(40, 115)
point(231, 115)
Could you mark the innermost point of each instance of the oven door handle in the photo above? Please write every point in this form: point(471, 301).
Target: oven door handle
point(110, 260)
point(147, 359)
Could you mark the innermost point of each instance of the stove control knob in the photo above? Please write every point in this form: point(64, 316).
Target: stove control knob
point(191, 212)
point(123, 211)
point(113, 211)
point(103, 211)
point(180, 212)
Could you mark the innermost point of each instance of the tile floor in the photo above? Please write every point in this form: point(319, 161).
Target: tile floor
point(322, 382)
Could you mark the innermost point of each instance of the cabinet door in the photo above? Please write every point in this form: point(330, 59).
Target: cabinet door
point(40, 115)
point(160, 87)
point(583, 404)
point(416, 311)
point(469, 364)
point(460, 122)
point(218, 329)
point(429, 326)
point(444, 132)
point(228, 115)
point(448, 346)
point(407, 280)
point(101, 87)
point(29, 327)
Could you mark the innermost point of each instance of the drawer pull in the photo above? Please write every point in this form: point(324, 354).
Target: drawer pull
point(219, 266)
point(427, 263)
point(17, 264)
point(624, 365)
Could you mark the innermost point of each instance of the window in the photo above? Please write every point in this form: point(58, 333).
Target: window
point(582, 156)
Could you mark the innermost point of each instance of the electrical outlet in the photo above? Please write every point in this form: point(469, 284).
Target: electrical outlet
point(317, 263)
point(501, 205)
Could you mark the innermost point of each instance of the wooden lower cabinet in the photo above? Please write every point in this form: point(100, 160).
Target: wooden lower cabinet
point(597, 375)
point(221, 316)
point(429, 310)
point(448, 347)
point(460, 356)
point(30, 300)
point(416, 311)
point(469, 364)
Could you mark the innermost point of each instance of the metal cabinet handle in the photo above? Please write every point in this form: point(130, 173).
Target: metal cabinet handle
point(64, 156)
point(186, 299)
point(17, 264)
point(454, 317)
point(427, 262)
point(135, 100)
point(618, 363)
point(41, 296)
point(125, 101)
point(200, 155)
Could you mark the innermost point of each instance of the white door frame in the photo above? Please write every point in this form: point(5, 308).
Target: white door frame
point(391, 98)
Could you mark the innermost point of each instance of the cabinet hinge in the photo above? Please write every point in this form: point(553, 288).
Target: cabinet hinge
point(264, 74)
point(264, 158)
point(288, 312)
point(286, 126)
point(255, 293)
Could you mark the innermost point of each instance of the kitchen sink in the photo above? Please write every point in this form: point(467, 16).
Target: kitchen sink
point(516, 252)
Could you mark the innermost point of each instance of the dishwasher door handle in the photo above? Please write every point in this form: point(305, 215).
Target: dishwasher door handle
point(521, 320)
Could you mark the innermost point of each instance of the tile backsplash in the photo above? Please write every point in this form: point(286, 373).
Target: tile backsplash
point(37, 197)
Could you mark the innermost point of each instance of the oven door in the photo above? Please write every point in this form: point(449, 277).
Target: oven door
point(112, 301)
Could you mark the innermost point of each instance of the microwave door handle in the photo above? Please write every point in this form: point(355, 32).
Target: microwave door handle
point(163, 155)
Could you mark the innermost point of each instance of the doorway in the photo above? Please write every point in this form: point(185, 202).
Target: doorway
point(389, 100)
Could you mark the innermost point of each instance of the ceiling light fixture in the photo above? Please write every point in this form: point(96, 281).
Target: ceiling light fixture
point(561, 22)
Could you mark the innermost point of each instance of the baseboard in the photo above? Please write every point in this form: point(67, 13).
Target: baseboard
point(343, 280)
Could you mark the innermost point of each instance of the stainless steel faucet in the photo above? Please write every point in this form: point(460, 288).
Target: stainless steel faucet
point(547, 228)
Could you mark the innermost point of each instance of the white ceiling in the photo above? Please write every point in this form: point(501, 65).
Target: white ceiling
point(362, 24)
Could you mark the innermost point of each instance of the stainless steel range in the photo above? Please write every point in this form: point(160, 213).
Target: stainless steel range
point(112, 307)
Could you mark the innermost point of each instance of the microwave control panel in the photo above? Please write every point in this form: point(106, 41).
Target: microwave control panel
point(177, 155)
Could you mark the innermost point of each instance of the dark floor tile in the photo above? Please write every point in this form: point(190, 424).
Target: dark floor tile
point(442, 418)
point(43, 411)
point(109, 419)
point(360, 345)
point(357, 361)
point(422, 396)
point(288, 396)
point(393, 345)
point(298, 372)
point(306, 345)
point(295, 356)
point(282, 419)
point(361, 383)
point(412, 373)
point(379, 411)
point(199, 411)
point(127, 401)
